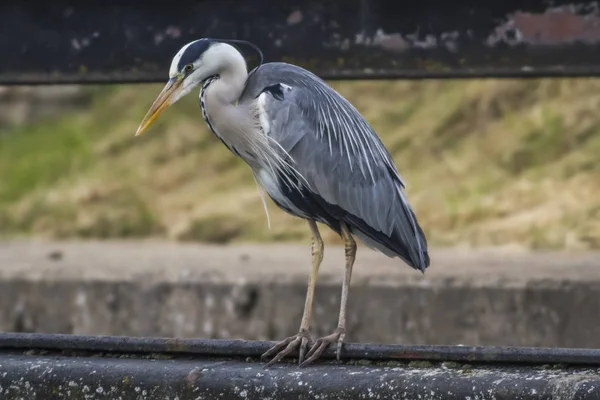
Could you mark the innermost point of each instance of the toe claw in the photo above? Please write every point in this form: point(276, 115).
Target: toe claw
point(317, 350)
point(314, 348)
point(276, 349)
point(301, 342)
point(290, 347)
point(321, 345)
point(303, 348)
point(286, 347)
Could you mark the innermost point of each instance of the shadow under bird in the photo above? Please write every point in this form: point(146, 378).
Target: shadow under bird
point(311, 151)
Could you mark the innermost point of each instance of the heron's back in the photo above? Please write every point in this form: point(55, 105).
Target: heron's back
point(348, 174)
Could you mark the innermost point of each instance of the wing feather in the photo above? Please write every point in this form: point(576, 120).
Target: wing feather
point(340, 157)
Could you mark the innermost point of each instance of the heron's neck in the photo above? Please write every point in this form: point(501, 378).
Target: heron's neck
point(235, 124)
point(232, 79)
point(219, 98)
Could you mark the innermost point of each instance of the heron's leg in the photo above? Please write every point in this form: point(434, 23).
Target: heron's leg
point(302, 338)
point(338, 335)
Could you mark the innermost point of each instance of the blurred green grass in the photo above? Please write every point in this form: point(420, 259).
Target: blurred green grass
point(487, 162)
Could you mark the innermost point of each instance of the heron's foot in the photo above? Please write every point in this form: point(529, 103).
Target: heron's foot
point(321, 345)
point(299, 341)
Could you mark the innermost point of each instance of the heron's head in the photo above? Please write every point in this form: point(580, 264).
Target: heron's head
point(193, 63)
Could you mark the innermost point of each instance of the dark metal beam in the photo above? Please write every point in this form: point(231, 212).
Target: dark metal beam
point(69, 41)
point(38, 366)
point(244, 348)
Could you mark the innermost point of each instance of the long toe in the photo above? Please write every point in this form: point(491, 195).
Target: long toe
point(303, 348)
point(287, 346)
point(279, 346)
point(321, 344)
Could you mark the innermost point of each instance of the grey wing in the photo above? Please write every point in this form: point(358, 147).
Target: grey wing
point(349, 173)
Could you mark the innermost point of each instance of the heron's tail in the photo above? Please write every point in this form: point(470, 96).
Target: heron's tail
point(406, 239)
point(412, 238)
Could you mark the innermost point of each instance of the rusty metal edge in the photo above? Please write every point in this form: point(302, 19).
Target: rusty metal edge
point(71, 42)
point(241, 349)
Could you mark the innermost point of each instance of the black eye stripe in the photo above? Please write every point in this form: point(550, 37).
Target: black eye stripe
point(193, 52)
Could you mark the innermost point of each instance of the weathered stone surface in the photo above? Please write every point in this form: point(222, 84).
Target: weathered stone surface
point(85, 377)
point(485, 297)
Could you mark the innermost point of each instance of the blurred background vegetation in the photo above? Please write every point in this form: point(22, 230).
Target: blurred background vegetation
point(487, 162)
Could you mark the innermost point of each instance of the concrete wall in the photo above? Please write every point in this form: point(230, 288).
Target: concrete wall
point(257, 292)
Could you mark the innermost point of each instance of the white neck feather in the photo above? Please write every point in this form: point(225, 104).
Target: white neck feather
point(238, 125)
point(233, 74)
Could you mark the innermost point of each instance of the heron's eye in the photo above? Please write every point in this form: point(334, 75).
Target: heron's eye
point(188, 67)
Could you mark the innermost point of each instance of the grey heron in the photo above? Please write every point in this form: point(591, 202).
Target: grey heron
point(311, 151)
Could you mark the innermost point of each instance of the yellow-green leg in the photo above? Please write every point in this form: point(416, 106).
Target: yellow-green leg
point(340, 332)
point(302, 338)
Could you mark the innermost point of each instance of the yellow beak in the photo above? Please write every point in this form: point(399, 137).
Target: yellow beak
point(162, 102)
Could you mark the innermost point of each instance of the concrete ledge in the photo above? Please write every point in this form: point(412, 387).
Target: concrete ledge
point(257, 293)
point(43, 366)
point(48, 377)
